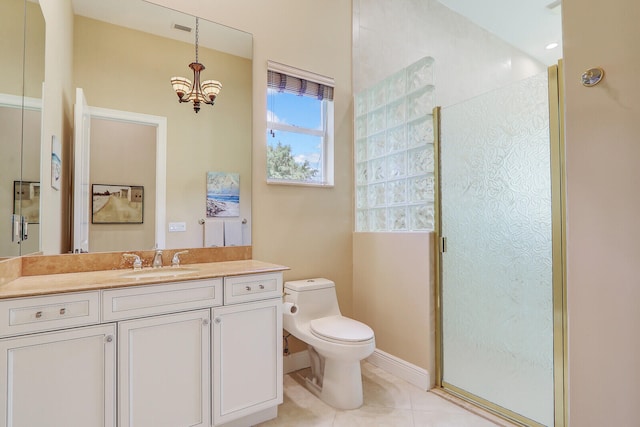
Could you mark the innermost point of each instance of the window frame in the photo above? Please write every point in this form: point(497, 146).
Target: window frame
point(326, 133)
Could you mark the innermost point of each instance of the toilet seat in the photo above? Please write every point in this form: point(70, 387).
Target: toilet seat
point(341, 329)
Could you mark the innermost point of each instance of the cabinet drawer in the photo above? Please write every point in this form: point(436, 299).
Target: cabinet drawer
point(139, 301)
point(252, 287)
point(36, 314)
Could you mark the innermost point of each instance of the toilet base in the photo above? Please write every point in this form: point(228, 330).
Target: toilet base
point(341, 384)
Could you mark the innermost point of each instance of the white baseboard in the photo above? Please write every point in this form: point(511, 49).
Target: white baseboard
point(402, 369)
point(295, 362)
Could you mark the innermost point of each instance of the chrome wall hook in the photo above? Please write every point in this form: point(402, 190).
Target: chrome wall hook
point(592, 76)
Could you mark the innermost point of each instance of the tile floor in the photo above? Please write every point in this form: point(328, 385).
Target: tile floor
point(388, 401)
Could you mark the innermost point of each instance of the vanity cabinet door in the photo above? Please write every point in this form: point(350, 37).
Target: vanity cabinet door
point(247, 359)
point(64, 378)
point(164, 370)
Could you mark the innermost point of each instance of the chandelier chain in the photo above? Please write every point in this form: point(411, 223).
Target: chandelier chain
point(197, 24)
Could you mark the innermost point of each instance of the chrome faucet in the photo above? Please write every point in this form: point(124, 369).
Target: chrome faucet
point(137, 262)
point(175, 261)
point(157, 259)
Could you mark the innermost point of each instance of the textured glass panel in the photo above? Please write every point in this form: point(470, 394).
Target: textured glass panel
point(390, 146)
point(420, 103)
point(396, 139)
point(361, 150)
point(376, 121)
point(361, 127)
point(398, 218)
point(422, 217)
point(378, 219)
point(376, 195)
point(377, 96)
point(361, 103)
point(396, 113)
point(420, 74)
point(397, 192)
point(362, 220)
point(396, 165)
point(420, 188)
point(420, 131)
point(497, 277)
point(378, 169)
point(420, 160)
point(376, 145)
point(361, 197)
point(397, 84)
point(362, 173)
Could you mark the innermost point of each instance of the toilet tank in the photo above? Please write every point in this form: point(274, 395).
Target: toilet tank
point(314, 297)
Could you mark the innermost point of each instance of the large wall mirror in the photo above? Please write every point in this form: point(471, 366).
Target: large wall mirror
point(124, 55)
point(22, 43)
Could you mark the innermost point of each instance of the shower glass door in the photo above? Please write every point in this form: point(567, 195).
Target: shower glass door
point(496, 264)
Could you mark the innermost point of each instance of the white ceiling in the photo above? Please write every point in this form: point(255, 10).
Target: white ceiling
point(529, 25)
point(150, 18)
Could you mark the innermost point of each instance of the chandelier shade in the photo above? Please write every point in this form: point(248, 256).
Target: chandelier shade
point(197, 92)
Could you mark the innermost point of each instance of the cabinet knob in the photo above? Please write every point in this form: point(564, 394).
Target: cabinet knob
point(261, 286)
point(205, 322)
point(38, 314)
point(108, 338)
point(217, 320)
point(63, 311)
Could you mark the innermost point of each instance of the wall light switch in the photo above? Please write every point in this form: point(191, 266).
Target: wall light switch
point(177, 226)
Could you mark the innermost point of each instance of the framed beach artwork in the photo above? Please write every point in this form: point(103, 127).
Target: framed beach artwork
point(117, 204)
point(223, 194)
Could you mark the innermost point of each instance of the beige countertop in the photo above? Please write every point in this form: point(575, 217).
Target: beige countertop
point(46, 284)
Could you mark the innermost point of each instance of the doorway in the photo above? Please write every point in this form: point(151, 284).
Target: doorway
point(500, 269)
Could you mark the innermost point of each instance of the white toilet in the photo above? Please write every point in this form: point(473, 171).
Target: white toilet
point(336, 343)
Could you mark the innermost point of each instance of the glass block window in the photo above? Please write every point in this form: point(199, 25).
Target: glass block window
point(394, 152)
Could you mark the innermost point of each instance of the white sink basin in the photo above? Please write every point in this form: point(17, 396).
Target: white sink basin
point(149, 273)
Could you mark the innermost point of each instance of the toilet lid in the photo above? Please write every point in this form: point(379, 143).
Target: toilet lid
point(341, 329)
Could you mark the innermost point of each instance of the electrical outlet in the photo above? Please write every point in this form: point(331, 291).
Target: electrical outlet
point(177, 226)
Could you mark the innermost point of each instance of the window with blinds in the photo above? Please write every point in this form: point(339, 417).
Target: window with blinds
point(299, 126)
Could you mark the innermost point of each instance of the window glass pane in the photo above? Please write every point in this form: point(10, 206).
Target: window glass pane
point(294, 110)
point(294, 156)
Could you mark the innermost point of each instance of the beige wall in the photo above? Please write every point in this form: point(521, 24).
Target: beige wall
point(393, 293)
point(120, 154)
point(20, 55)
point(603, 201)
point(308, 229)
point(57, 121)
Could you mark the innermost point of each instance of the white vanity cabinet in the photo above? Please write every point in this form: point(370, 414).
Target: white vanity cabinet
point(164, 371)
point(164, 343)
point(60, 378)
point(247, 349)
point(200, 353)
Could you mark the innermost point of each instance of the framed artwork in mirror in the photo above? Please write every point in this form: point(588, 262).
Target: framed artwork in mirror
point(26, 200)
point(117, 204)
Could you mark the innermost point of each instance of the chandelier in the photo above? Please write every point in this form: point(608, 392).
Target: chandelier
point(205, 92)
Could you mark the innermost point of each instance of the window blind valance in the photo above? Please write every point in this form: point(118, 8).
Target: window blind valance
point(299, 82)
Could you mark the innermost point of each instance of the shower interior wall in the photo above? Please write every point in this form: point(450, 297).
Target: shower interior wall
point(393, 273)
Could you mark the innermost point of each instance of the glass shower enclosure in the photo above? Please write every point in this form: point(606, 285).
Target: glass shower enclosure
point(496, 266)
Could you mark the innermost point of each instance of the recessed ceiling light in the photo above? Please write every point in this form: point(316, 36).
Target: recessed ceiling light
point(551, 46)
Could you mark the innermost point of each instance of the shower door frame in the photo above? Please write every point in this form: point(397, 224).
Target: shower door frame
point(558, 214)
